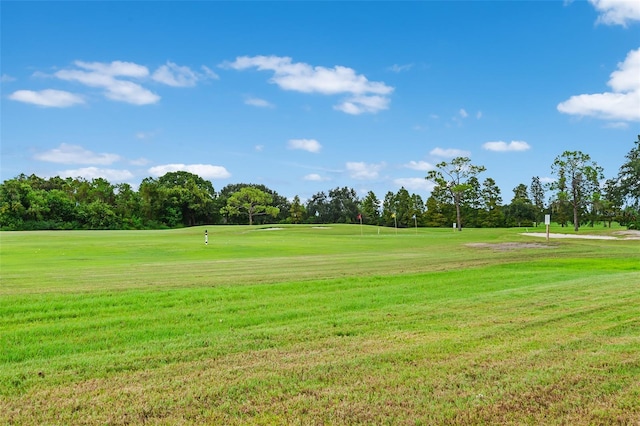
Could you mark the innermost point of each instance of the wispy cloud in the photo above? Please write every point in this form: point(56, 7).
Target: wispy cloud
point(206, 171)
point(400, 68)
point(6, 78)
point(501, 146)
point(110, 77)
point(449, 153)
point(623, 103)
point(47, 98)
point(310, 145)
point(364, 171)
point(119, 80)
point(175, 75)
point(363, 95)
point(75, 154)
point(257, 102)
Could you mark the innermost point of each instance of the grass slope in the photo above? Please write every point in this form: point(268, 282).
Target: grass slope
point(307, 325)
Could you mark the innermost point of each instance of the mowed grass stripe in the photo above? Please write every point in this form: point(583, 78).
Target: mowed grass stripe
point(468, 335)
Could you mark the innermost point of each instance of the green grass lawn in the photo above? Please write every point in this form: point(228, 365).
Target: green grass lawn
point(307, 325)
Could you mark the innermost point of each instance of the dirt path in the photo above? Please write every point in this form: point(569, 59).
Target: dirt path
point(624, 235)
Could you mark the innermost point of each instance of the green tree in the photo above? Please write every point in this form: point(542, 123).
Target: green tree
point(521, 208)
point(370, 208)
point(389, 209)
point(127, 206)
point(454, 177)
point(629, 177)
point(537, 198)
point(492, 215)
point(343, 205)
point(417, 209)
point(251, 201)
point(403, 205)
point(578, 180)
point(318, 208)
point(297, 211)
point(612, 202)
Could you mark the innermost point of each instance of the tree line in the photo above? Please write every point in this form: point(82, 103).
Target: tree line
point(579, 195)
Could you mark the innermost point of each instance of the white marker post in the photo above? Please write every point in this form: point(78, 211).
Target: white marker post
point(547, 222)
point(454, 226)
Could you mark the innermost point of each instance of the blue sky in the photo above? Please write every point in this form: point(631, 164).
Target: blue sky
point(308, 96)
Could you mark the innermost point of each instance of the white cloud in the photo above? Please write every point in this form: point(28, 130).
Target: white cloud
point(415, 184)
point(205, 171)
point(359, 104)
point(314, 177)
point(479, 115)
point(175, 75)
point(621, 104)
point(422, 166)
point(501, 146)
point(75, 154)
point(6, 78)
point(112, 175)
point(47, 98)
point(103, 75)
point(617, 12)
point(257, 102)
point(545, 180)
point(259, 148)
point(114, 69)
point(360, 170)
point(366, 96)
point(310, 145)
point(463, 113)
point(449, 153)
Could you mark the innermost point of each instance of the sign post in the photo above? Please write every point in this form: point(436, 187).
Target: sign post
point(547, 222)
point(454, 226)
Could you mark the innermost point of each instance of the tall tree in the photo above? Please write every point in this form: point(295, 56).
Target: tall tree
point(296, 211)
point(440, 209)
point(537, 198)
point(492, 216)
point(343, 205)
point(252, 201)
point(370, 207)
point(318, 208)
point(578, 178)
point(612, 201)
point(521, 208)
point(629, 176)
point(389, 209)
point(454, 177)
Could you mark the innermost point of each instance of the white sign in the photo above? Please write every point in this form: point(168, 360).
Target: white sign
point(454, 225)
point(547, 219)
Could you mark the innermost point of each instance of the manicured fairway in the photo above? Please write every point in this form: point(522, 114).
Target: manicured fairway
point(309, 325)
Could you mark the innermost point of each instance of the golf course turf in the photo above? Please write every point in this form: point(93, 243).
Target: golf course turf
point(303, 324)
